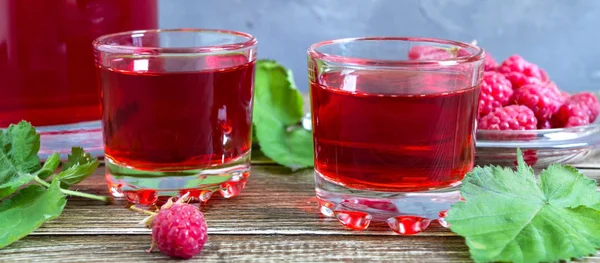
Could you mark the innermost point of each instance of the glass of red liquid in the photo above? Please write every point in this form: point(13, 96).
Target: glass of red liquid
point(47, 65)
point(176, 112)
point(394, 127)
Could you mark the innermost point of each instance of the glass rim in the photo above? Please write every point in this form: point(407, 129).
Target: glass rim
point(250, 41)
point(479, 55)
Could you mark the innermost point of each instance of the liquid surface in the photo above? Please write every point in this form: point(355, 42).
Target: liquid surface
point(393, 132)
point(177, 120)
point(46, 56)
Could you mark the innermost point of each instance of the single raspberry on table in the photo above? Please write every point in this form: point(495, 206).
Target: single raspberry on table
point(543, 99)
point(512, 117)
point(521, 72)
point(178, 229)
point(496, 92)
point(580, 109)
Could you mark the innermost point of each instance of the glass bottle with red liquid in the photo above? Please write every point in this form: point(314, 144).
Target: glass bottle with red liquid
point(393, 137)
point(47, 64)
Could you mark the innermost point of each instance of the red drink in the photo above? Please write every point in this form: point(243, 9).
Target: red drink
point(176, 112)
point(159, 120)
point(393, 136)
point(393, 131)
point(46, 56)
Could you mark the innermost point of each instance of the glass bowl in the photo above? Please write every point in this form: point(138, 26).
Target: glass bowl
point(540, 147)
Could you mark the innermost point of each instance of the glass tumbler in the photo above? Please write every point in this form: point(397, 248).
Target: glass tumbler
point(176, 112)
point(394, 127)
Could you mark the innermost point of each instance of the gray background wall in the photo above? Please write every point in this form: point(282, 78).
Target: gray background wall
point(561, 36)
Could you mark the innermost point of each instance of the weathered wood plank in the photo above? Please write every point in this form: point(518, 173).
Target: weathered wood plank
point(275, 201)
point(591, 162)
point(227, 248)
point(252, 248)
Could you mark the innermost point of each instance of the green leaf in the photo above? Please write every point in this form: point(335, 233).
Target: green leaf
point(292, 148)
point(565, 186)
point(254, 139)
point(522, 167)
point(18, 156)
point(77, 156)
point(49, 166)
point(29, 209)
point(79, 166)
point(277, 113)
point(510, 216)
point(276, 91)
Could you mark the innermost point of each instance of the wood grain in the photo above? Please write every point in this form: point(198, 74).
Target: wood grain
point(274, 219)
point(249, 248)
point(275, 201)
point(591, 162)
point(253, 248)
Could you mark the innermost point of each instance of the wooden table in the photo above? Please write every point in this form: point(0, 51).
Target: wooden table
point(274, 219)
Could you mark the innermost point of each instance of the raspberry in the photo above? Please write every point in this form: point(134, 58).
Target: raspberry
point(580, 109)
point(590, 100)
point(545, 125)
point(512, 117)
point(179, 231)
point(433, 53)
point(543, 99)
point(521, 72)
point(490, 63)
point(496, 91)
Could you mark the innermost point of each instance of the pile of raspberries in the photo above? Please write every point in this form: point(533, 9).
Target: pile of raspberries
point(518, 95)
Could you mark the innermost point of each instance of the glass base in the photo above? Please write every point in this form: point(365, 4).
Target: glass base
point(405, 213)
point(60, 138)
point(147, 187)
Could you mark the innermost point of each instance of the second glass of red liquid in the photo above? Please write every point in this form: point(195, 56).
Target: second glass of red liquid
point(176, 112)
point(394, 123)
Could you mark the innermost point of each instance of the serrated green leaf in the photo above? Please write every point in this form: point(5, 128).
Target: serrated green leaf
point(18, 156)
point(52, 162)
point(79, 166)
point(277, 111)
point(29, 209)
point(522, 167)
point(565, 186)
point(77, 156)
point(510, 216)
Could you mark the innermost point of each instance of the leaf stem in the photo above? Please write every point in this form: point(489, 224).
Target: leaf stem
point(76, 193)
point(141, 210)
